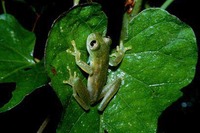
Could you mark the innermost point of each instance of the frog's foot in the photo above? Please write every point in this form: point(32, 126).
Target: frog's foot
point(76, 52)
point(118, 55)
point(71, 79)
point(120, 50)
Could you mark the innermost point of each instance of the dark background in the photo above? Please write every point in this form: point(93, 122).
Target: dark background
point(181, 117)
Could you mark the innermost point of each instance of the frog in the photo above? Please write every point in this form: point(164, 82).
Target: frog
point(97, 89)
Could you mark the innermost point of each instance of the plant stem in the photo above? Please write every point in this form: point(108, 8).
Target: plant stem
point(36, 21)
point(76, 2)
point(3, 6)
point(44, 124)
point(137, 7)
point(166, 4)
point(128, 17)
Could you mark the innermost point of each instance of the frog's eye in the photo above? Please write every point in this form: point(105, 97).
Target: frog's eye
point(94, 45)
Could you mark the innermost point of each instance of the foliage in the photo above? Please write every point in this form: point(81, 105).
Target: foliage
point(161, 62)
point(17, 63)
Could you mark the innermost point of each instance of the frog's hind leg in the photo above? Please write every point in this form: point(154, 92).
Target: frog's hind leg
point(80, 92)
point(108, 93)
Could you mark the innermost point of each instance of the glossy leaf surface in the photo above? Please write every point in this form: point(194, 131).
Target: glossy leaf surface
point(16, 58)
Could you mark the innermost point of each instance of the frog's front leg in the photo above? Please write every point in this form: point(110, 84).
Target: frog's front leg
point(118, 55)
point(80, 92)
point(108, 93)
point(84, 66)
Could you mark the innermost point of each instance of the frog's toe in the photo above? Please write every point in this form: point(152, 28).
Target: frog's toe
point(69, 81)
point(71, 77)
point(128, 48)
point(71, 52)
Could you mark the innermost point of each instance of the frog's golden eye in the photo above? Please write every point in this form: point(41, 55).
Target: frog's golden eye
point(94, 45)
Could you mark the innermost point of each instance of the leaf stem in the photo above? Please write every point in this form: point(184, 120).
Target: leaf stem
point(76, 2)
point(166, 4)
point(36, 21)
point(43, 126)
point(128, 17)
point(137, 7)
point(3, 6)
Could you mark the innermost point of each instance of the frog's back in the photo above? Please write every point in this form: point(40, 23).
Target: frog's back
point(98, 48)
point(98, 79)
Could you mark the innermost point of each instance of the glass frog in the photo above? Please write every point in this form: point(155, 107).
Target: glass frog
point(98, 48)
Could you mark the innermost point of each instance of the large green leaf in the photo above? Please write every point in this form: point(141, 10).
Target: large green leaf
point(17, 64)
point(161, 62)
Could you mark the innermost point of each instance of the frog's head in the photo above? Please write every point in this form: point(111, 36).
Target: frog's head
point(95, 42)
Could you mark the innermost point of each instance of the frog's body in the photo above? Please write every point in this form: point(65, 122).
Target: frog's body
point(98, 48)
point(99, 63)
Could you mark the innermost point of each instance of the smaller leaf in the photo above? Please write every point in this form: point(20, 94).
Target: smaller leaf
point(27, 80)
point(17, 64)
point(16, 46)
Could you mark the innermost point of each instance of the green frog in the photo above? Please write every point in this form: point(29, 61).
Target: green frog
point(98, 48)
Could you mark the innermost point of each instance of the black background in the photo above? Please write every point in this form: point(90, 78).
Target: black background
point(42, 103)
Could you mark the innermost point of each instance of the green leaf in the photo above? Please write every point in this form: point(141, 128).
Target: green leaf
point(17, 64)
point(161, 62)
point(75, 24)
